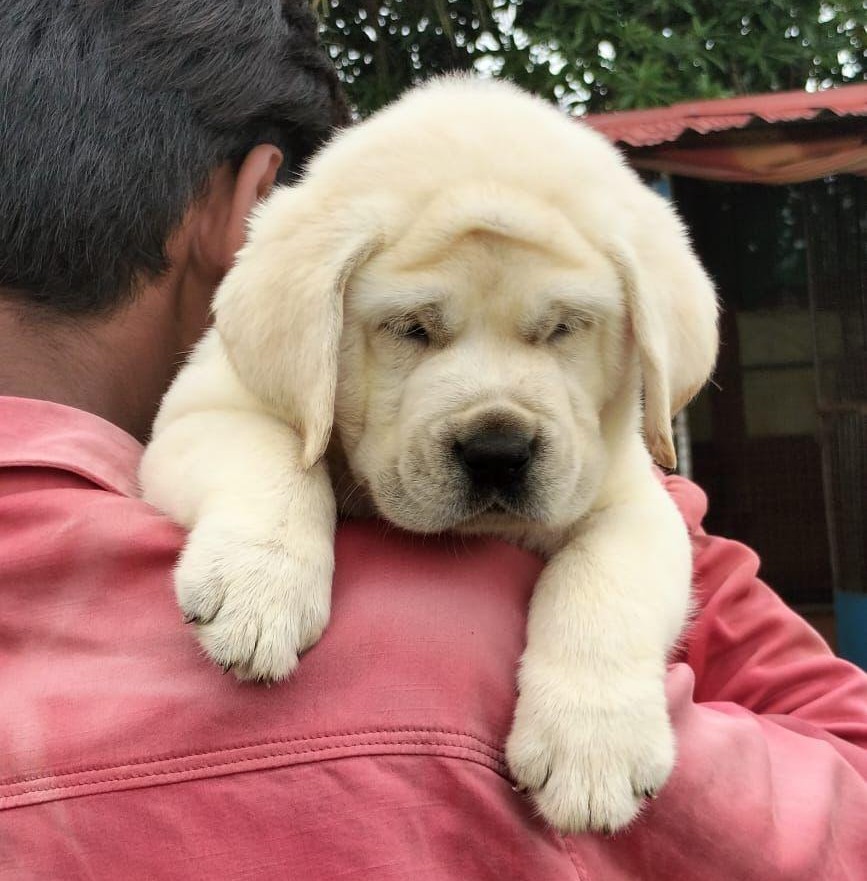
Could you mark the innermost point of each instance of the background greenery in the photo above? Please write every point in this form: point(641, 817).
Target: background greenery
point(602, 55)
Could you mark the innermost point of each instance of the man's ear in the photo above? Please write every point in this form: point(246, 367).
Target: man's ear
point(279, 310)
point(254, 181)
point(223, 213)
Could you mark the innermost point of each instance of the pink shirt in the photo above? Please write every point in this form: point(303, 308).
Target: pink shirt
point(125, 755)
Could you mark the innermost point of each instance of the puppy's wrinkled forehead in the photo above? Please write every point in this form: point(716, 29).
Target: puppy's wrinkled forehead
point(491, 250)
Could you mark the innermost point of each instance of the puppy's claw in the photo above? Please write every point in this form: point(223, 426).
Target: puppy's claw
point(198, 620)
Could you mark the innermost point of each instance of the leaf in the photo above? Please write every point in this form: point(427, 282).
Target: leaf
point(704, 56)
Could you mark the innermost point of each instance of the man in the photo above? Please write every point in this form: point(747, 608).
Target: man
point(136, 138)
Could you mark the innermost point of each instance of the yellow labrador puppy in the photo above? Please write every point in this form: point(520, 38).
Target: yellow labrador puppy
point(472, 316)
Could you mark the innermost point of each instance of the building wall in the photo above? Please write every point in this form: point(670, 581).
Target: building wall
point(756, 447)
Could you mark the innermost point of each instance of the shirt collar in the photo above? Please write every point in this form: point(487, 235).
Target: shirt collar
point(41, 434)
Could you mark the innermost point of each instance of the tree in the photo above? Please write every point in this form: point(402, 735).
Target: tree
point(604, 55)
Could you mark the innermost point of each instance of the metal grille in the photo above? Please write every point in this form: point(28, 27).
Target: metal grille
point(763, 476)
point(836, 216)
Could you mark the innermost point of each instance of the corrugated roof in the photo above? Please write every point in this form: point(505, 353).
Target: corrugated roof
point(644, 128)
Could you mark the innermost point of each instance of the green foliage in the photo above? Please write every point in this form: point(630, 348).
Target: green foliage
point(603, 55)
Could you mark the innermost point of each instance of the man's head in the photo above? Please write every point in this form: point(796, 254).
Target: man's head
point(136, 135)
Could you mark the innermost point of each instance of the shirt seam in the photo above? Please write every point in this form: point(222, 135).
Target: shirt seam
point(229, 762)
point(463, 747)
point(121, 487)
point(478, 753)
point(237, 747)
point(577, 863)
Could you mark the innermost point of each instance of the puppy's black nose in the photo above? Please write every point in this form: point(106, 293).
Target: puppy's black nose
point(495, 458)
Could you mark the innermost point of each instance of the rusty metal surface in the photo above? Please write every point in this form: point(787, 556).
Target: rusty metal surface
point(644, 128)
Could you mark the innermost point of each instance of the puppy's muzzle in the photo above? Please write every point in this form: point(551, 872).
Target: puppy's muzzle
point(496, 459)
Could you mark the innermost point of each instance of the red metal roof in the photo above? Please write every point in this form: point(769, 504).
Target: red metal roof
point(643, 128)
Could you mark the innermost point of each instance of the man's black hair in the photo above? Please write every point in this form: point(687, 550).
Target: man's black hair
point(113, 115)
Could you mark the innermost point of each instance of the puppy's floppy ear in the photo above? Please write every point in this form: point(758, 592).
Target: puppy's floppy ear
point(672, 311)
point(279, 310)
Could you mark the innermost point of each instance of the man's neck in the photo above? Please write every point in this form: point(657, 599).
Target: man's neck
point(93, 364)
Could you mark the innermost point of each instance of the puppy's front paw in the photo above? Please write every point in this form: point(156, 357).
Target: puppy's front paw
point(588, 754)
point(257, 602)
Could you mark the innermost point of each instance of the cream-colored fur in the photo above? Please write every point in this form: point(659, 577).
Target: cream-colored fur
point(466, 257)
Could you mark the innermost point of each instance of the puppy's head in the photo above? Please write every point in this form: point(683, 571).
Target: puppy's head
point(475, 290)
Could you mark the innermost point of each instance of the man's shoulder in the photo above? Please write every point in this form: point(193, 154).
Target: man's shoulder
point(107, 698)
point(68, 503)
point(100, 670)
point(59, 525)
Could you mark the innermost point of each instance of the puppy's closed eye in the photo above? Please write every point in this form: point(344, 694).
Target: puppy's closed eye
point(423, 328)
point(571, 324)
point(408, 329)
point(561, 329)
point(559, 325)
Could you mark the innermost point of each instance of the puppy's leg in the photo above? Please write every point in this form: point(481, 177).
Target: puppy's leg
point(255, 575)
point(591, 736)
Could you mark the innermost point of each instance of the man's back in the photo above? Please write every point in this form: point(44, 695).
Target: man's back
point(107, 699)
point(124, 753)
